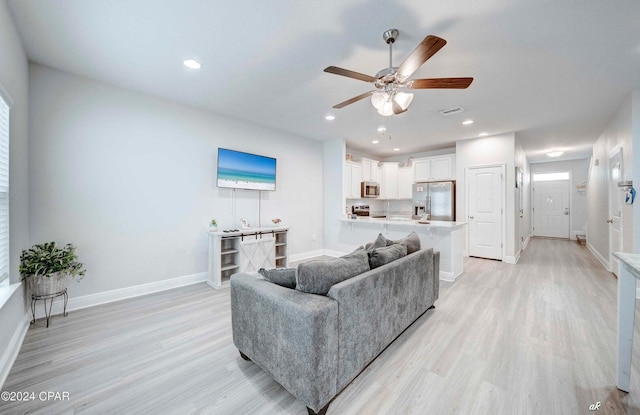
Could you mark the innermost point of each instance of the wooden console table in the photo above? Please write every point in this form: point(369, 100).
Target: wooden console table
point(245, 251)
point(628, 274)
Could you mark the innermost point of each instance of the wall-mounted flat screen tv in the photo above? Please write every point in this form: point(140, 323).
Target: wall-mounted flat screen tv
point(240, 170)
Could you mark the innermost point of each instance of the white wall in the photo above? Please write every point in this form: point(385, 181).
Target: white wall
point(635, 176)
point(334, 198)
point(617, 134)
point(499, 149)
point(130, 179)
point(14, 81)
point(522, 225)
point(579, 170)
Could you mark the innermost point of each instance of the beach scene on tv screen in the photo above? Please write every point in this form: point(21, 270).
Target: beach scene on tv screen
point(246, 171)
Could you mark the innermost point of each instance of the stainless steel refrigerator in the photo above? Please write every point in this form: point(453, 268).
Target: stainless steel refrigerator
point(435, 199)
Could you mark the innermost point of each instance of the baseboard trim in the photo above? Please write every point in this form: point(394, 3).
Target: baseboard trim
point(123, 293)
point(599, 257)
point(447, 276)
point(306, 255)
point(11, 352)
point(511, 259)
point(335, 254)
point(526, 242)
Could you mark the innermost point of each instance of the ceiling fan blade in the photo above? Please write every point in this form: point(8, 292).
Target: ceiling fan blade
point(349, 74)
point(426, 49)
point(448, 83)
point(354, 99)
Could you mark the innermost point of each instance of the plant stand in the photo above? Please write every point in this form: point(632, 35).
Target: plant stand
point(35, 298)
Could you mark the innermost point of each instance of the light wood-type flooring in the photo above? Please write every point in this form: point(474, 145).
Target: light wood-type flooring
point(533, 338)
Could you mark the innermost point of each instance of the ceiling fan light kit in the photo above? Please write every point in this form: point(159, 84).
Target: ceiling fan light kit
point(389, 97)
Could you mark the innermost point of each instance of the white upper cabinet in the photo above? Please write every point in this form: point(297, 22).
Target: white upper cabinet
point(429, 169)
point(352, 176)
point(389, 183)
point(370, 170)
point(405, 183)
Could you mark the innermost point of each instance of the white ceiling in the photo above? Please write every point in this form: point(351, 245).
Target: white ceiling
point(553, 71)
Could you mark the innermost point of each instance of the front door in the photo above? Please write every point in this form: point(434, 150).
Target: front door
point(551, 208)
point(485, 192)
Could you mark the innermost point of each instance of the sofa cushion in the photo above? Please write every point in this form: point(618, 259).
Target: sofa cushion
point(378, 243)
point(411, 241)
point(285, 277)
point(317, 277)
point(384, 255)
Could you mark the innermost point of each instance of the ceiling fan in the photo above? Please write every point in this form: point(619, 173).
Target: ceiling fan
point(392, 83)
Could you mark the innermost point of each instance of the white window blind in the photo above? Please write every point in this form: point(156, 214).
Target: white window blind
point(4, 190)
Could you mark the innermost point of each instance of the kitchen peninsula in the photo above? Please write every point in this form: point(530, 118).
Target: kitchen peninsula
point(443, 236)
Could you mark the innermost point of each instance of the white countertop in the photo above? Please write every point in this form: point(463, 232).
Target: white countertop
point(407, 223)
point(263, 229)
point(631, 260)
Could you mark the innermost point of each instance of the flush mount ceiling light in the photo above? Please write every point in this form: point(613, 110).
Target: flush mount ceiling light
point(483, 134)
point(467, 122)
point(555, 153)
point(382, 129)
point(396, 149)
point(330, 117)
point(192, 64)
point(375, 142)
point(389, 96)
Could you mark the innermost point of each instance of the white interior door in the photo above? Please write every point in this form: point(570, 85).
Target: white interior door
point(615, 208)
point(484, 195)
point(551, 208)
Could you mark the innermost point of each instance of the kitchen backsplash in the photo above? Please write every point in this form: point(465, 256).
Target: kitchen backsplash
point(380, 207)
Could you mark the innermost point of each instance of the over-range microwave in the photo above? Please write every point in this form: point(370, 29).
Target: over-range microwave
point(369, 189)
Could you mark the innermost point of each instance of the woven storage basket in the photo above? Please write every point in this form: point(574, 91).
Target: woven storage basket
point(42, 286)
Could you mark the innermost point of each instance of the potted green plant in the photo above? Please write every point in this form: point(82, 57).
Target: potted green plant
point(213, 226)
point(47, 267)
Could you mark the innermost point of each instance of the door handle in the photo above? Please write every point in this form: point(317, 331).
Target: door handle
point(566, 211)
point(609, 220)
point(470, 217)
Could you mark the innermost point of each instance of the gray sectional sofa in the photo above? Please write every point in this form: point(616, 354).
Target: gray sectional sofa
point(315, 345)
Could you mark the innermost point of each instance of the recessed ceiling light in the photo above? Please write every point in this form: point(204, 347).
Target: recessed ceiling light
point(192, 64)
point(330, 117)
point(382, 129)
point(467, 122)
point(483, 134)
point(396, 149)
point(375, 142)
point(555, 153)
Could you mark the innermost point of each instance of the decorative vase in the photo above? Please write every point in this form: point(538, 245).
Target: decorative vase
point(213, 228)
point(47, 285)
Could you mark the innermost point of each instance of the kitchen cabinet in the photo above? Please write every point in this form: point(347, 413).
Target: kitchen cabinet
point(429, 169)
point(351, 178)
point(389, 182)
point(370, 170)
point(405, 183)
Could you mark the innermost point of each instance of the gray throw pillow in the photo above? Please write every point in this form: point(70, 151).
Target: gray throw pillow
point(285, 277)
point(378, 243)
point(411, 241)
point(381, 256)
point(317, 277)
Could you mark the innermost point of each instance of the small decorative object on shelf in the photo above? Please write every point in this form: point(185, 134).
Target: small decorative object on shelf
point(46, 269)
point(276, 221)
point(213, 226)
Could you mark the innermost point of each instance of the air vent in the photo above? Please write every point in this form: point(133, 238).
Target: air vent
point(452, 111)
